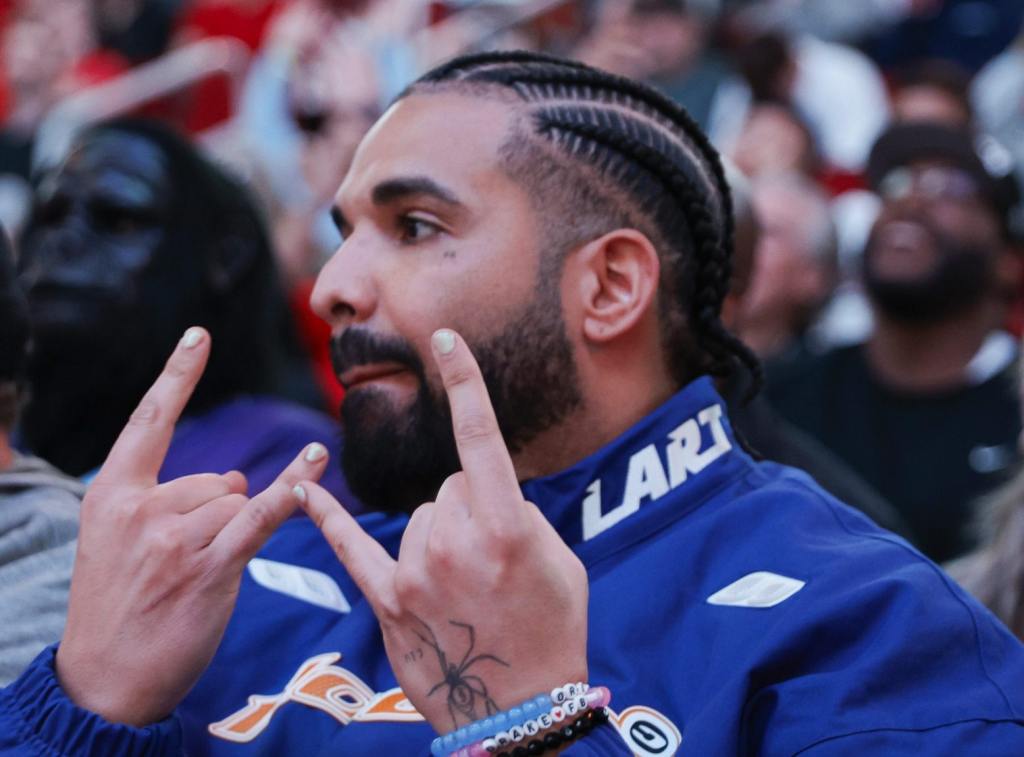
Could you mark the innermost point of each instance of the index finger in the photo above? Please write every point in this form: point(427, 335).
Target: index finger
point(365, 560)
point(491, 477)
point(139, 451)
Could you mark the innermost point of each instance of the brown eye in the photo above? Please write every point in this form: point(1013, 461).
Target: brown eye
point(413, 229)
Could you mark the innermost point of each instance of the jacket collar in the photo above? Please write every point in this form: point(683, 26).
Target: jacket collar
point(666, 465)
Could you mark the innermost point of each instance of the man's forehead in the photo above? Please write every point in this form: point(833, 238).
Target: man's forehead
point(449, 137)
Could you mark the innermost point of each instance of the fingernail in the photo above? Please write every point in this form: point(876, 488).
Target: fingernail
point(191, 338)
point(444, 341)
point(315, 452)
point(300, 493)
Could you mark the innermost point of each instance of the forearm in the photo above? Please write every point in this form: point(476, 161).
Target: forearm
point(38, 718)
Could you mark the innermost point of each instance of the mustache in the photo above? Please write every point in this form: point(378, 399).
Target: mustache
point(355, 347)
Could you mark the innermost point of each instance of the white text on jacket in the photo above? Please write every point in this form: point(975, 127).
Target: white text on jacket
point(646, 476)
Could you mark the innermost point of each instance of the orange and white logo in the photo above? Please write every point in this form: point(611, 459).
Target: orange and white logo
point(324, 686)
point(340, 693)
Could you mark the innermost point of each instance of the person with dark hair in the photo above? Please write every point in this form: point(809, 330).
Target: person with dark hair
point(767, 432)
point(775, 139)
point(38, 506)
point(795, 265)
point(576, 228)
point(925, 410)
point(665, 43)
point(933, 90)
point(133, 238)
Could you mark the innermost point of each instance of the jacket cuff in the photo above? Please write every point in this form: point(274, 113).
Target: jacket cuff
point(47, 720)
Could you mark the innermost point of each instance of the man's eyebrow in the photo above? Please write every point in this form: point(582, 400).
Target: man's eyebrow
point(392, 190)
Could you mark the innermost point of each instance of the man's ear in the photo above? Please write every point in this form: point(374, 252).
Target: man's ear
point(618, 284)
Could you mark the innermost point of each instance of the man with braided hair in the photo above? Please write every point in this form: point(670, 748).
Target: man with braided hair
point(525, 314)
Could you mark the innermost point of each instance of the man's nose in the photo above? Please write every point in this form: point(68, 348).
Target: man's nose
point(345, 292)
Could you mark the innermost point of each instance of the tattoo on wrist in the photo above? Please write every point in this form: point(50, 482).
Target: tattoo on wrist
point(467, 694)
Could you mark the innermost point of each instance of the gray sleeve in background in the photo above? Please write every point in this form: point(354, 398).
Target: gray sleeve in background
point(38, 531)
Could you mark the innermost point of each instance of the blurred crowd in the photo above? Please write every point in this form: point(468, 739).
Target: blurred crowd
point(876, 153)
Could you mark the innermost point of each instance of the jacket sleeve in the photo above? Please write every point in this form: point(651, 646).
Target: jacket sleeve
point(37, 718)
point(949, 740)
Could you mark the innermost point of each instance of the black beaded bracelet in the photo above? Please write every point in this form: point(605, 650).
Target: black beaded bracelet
point(554, 739)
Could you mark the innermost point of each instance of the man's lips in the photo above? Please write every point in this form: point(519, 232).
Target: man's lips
point(362, 374)
point(904, 235)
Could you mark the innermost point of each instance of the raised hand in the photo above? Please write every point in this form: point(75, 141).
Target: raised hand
point(159, 565)
point(486, 606)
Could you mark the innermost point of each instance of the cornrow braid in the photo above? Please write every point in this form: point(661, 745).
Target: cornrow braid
point(661, 167)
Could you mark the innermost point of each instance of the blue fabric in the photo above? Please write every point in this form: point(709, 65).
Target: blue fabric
point(36, 718)
point(877, 651)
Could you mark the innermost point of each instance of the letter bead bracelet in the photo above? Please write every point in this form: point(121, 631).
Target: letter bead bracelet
point(524, 721)
point(556, 738)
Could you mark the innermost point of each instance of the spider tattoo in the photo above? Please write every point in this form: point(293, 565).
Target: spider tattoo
point(465, 692)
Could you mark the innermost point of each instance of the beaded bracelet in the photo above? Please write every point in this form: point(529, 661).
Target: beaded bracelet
point(555, 739)
point(593, 698)
point(596, 697)
point(503, 721)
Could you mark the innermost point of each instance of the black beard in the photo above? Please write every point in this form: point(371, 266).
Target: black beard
point(396, 460)
point(961, 278)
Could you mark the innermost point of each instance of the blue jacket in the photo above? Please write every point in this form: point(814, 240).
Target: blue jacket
point(735, 608)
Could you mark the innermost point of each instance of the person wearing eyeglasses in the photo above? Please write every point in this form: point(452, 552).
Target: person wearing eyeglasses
point(925, 409)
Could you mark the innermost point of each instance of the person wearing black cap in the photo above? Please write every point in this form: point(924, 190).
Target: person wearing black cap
point(38, 507)
point(926, 410)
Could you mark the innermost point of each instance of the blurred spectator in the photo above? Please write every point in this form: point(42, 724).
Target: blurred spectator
point(31, 81)
point(138, 30)
point(933, 90)
point(775, 139)
point(994, 573)
point(925, 410)
point(768, 65)
point(759, 424)
point(42, 41)
point(327, 69)
point(998, 97)
point(132, 240)
point(838, 92)
point(38, 507)
point(795, 266)
point(663, 42)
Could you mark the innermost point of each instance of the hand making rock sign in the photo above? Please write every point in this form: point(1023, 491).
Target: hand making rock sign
point(158, 566)
point(485, 606)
